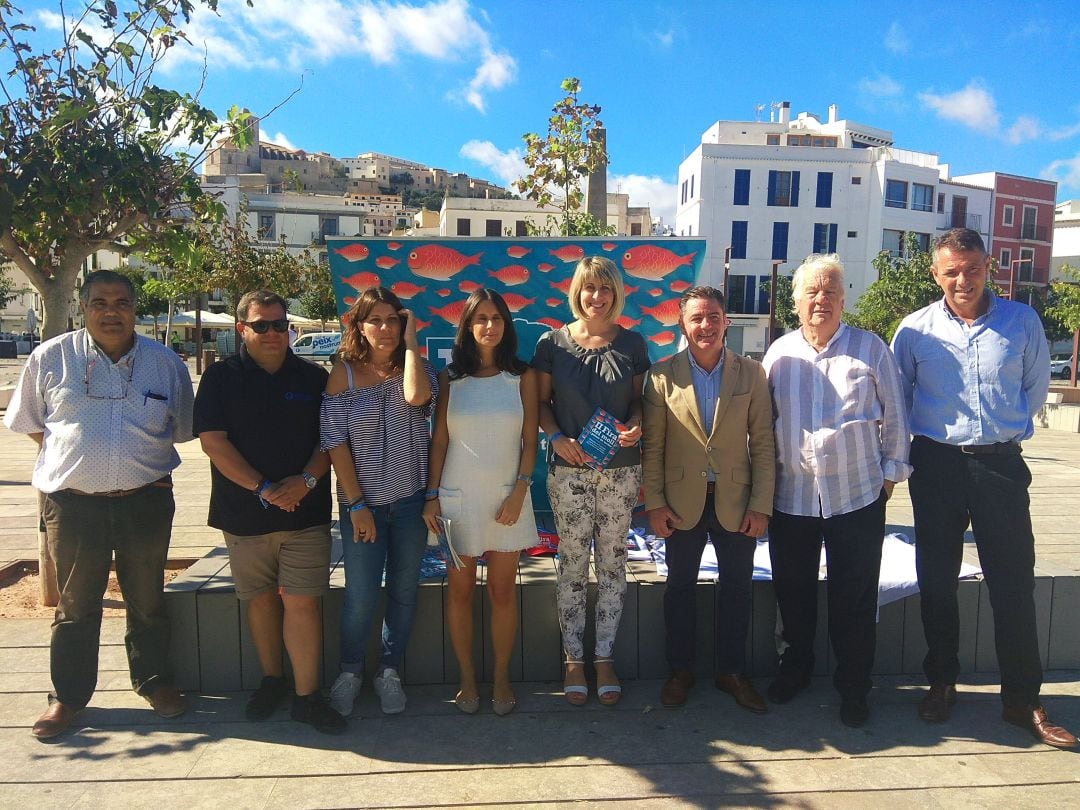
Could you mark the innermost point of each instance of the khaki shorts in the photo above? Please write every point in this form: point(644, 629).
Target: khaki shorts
point(295, 563)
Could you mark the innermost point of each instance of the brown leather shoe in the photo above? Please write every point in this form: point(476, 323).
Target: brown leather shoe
point(676, 689)
point(935, 705)
point(167, 701)
point(1034, 719)
point(56, 720)
point(743, 691)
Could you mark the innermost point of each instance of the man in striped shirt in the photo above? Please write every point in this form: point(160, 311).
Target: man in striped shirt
point(841, 444)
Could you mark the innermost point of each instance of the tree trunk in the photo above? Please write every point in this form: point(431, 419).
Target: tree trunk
point(56, 301)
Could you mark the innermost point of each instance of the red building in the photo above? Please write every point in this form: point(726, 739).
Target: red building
point(1021, 228)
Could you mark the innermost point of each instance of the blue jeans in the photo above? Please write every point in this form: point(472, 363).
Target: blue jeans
point(401, 539)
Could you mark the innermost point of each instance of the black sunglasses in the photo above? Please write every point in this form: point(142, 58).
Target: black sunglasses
point(262, 327)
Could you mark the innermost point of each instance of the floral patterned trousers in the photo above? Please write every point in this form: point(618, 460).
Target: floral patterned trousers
point(591, 505)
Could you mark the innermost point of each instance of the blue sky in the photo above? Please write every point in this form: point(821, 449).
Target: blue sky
point(986, 86)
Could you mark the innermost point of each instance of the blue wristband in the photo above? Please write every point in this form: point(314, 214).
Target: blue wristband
point(431, 494)
point(557, 435)
point(359, 506)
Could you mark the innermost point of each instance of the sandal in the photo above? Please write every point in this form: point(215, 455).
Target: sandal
point(468, 705)
point(607, 693)
point(576, 694)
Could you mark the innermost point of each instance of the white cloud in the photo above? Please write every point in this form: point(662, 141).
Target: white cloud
point(651, 190)
point(974, 107)
point(507, 166)
point(881, 86)
point(896, 41)
point(1026, 128)
point(50, 20)
point(665, 39)
point(286, 33)
point(1065, 171)
point(280, 139)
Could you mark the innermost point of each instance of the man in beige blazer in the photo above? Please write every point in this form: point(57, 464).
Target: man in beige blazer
point(708, 469)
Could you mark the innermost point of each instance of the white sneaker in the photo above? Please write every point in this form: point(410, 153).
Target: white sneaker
point(344, 692)
point(391, 695)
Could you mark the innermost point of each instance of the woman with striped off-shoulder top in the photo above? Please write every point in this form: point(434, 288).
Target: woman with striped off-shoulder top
point(374, 425)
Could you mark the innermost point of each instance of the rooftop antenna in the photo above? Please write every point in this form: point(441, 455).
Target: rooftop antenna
point(772, 111)
point(758, 109)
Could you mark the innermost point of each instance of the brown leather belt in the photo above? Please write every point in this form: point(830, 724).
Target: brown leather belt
point(163, 483)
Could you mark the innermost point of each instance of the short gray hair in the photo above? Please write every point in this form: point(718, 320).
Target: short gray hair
point(816, 263)
point(106, 277)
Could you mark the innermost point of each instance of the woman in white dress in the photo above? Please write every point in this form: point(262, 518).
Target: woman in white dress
point(483, 450)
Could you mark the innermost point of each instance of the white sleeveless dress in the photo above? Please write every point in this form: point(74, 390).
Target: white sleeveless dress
point(483, 418)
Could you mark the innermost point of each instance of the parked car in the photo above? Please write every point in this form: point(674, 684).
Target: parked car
point(1061, 366)
point(318, 345)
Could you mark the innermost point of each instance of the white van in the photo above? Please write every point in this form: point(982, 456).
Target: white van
point(318, 345)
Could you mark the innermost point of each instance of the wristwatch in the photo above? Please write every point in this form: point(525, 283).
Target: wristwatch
point(310, 480)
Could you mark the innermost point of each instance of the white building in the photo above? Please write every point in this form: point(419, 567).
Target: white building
point(1066, 238)
point(777, 191)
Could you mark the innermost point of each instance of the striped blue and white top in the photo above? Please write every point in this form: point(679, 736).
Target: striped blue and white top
point(388, 437)
point(841, 422)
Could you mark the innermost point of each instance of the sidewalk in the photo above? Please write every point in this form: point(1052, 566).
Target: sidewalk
point(707, 754)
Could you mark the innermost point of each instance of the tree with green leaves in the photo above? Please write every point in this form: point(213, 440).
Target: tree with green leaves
point(904, 285)
point(317, 299)
point(1064, 308)
point(560, 160)
point(88, 141)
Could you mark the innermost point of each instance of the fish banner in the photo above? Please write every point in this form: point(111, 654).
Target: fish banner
point(433, 277)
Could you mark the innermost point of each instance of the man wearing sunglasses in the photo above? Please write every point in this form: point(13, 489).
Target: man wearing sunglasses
point(257, 418)
point(106, 407)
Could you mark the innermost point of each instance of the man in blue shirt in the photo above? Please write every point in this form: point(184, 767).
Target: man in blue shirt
point(976, 370)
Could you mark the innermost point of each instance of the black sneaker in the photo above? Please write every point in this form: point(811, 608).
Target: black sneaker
point(265, 700)
point(316, 712)
point(854, 712)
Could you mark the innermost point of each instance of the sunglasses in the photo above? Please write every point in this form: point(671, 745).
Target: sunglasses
point(262, 327)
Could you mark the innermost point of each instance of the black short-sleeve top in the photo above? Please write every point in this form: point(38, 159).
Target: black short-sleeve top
point(583, 379)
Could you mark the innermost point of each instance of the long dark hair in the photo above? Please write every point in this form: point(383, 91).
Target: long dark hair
point(465, 357)
point(354, 345)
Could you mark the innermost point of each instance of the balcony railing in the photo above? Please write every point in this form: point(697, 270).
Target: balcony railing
point(959, 219)
point(1033, 233)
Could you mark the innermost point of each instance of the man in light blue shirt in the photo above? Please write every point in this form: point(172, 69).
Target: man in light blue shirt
point(975, 370)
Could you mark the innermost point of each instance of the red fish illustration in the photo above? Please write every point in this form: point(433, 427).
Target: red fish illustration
point(353, 253)
point(609, 246)
point(439, 262)
point(405, 289)
point(517, 251)
point(422, 325)
point(386, 262)
point(626, 322)
point(451, 313)
point(511, 274)
point(562, 286)
point(443, 292)
point(469, 286)
point(662, 338)
point(569, 253)
point(393, 245)
point(656, 292)
point(554, 302)
point(551, 323)
point(349, 300)
point(516, 302)
point(630, 290)
point(544, 267)
point(679, 286)
point(667, 312)
point(361, 281)
point(652, 262)
point(423, 352)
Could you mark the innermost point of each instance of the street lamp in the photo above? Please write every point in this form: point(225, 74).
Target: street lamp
point(727, 270)
point(772, 303)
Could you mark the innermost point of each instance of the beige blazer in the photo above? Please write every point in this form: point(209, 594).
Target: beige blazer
point(740, 450)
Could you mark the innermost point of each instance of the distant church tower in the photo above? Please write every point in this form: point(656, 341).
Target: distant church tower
point(596, 195)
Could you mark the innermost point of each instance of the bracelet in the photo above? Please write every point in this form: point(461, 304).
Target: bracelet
point(355, 502)
point(431, 494)
point(357, 506)
point(557, 435)
point(526, 478)
point(263, 484)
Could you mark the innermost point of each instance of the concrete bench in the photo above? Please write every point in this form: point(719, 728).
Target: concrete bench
point(212, 649)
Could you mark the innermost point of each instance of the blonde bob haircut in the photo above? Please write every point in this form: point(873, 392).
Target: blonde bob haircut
point(817, 263)
point(599, 271)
